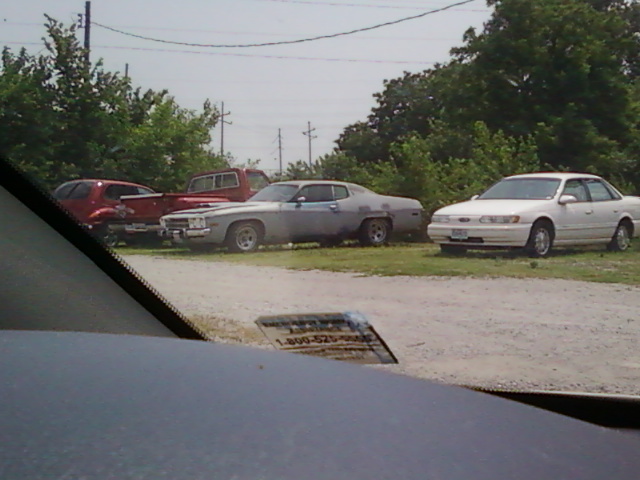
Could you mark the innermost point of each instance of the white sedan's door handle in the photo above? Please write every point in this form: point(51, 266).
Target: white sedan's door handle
point(588, 212)
point(333, 207)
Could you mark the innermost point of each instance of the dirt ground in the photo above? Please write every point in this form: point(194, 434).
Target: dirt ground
point(492, 332)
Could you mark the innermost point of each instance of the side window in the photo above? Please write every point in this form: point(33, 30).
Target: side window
point(82, 190)
point(340, 192)
point(143, 191)
point(257, 181)
point(577, 189)
point(317, 193)
point(114, 192)
point(201, 184)
point(599, 191)
point(62, 192)
point(229, 180)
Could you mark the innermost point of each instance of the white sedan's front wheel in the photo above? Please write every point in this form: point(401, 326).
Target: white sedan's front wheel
point(540, 239)
point(621, 240)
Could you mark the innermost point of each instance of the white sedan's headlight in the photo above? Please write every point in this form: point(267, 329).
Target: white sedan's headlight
point(197, 222)
point(440, 219)
point(163, 222)
point(500, 219)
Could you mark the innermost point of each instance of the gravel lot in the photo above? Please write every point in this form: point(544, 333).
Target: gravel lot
point(498, 332)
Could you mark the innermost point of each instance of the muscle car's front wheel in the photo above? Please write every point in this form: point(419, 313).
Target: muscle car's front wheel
point(244, 237)
point(374, 231)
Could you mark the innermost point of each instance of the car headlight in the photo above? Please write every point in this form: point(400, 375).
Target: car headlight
point(197, 222)
point(440, 219)
point(500, 219)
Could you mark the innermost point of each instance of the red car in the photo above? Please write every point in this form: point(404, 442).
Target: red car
point(96, 203)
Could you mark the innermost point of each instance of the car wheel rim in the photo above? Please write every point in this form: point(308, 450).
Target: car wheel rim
point(377, 231)
point(622, 238)
point(542, 241)
point(246, 238)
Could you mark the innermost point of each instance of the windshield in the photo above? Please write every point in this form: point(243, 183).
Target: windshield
point(396, 110)
point(275, 193)
point(522, 189)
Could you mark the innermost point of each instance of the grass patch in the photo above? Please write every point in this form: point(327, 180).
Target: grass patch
point(424, 259)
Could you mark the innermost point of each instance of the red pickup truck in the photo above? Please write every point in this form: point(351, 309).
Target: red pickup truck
point(116, 210)
point(228, 185)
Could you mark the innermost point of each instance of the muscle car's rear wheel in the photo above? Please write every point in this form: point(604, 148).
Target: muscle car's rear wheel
point(621, 240)
point(244, 237)
point(540, 239)
point(374, 231)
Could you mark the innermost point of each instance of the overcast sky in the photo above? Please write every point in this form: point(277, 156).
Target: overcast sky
point(328, 82)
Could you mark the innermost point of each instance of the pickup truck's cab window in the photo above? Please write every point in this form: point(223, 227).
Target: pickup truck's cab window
point(577, 189)
point(257, 181)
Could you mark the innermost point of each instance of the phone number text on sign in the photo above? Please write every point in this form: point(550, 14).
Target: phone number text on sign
point(340, 336)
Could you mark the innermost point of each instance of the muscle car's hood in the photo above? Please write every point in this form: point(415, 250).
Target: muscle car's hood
point(228, 208)
point(493, 207)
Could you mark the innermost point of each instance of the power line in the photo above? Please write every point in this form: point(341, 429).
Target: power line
point(249, 55)
point(288, 42)
point(361, 5)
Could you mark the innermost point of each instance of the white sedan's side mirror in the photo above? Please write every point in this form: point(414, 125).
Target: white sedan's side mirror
point(474, 197)
point(566, 199)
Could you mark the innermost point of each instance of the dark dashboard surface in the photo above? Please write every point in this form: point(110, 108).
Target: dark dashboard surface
point(83, 405)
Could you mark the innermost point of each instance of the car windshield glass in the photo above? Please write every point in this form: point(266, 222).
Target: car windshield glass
point(522, 189)
point(406, 121)
point(275, 193)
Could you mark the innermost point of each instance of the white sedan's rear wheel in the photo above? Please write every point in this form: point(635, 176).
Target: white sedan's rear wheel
point(244, 237)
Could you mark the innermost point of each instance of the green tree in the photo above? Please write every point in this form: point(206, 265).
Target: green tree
point(63, 118)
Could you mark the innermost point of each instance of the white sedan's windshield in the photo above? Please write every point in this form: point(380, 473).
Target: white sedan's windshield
point(522, 189)
point(275, 193)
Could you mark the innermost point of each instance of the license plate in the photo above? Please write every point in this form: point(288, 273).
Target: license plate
point(457, 234)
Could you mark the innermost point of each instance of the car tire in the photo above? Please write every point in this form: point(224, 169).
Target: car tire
point(621, 239)
point(107, 236)
point(244, 237)
point(374, 232)
point(540, 240)
point(452, 249)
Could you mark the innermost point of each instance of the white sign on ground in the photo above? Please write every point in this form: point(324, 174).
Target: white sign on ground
point(345, 336)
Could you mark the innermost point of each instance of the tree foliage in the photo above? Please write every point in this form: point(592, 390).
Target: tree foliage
point(63, 118)
point(557, 76)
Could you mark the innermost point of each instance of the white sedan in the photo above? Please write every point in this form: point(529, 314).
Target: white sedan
point(538, 211)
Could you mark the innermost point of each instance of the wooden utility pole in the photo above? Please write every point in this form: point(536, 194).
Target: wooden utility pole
point(311, 137)
point(87, 29)
point(222, 122)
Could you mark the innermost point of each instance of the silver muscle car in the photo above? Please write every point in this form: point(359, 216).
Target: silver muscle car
point(321, 211)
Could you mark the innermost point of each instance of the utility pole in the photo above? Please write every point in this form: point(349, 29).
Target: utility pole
point(222, 122)
point(280, 150)
point(126, 70)
point(87, 28)
point(311, 137)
